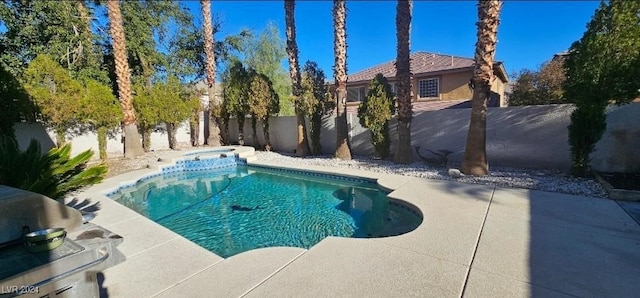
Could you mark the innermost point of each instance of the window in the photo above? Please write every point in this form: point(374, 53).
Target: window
point(429, 88)
point(356, 94)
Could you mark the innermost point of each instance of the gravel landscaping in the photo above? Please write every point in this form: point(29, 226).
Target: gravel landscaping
point(547, 180)
point(540, 179)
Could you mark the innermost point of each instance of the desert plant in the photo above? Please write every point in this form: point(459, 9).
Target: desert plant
point(54, 174)
point(376, 112)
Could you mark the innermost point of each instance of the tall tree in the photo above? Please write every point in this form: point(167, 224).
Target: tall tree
point(175, 102)
point(317, 99)
point(213, 137)
point(132, 143)
point(188, 61)
point(603, 67)
point(474, 161)
point(540, 87)
point(343, 151)
point(375, 113)
point(403, 155)
point(56, 93)
point(302, 149)
point(55, 28)
point(265, 53)
point(263, 103)
point(236, 95)
point(101, 111)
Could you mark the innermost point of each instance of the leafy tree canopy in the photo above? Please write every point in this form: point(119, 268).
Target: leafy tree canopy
point(604, 65)
point(315, 97)
point(263, 99)
point(540, 87)
point(236, 91)
point(57, 95)
point(60, 29)
point(265, 53)
point(316, 101)
point(146, 26)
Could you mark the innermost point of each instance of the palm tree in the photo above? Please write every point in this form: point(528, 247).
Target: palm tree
point(340, 74)
point(294, 72)
point(132, 143)
point(474, 161)
point(404, 155)
point(213, 139)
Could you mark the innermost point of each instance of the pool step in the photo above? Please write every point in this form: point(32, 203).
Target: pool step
point(250, 158)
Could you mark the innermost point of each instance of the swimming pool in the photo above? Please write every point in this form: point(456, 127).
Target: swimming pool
point(238, 208)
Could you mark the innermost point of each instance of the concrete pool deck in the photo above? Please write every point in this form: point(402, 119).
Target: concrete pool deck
point(475, 241)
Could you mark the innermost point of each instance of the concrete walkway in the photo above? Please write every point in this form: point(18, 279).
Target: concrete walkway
point(475, 241)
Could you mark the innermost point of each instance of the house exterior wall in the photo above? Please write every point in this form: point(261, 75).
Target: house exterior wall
point(455, 86)
point(497, 86)
point(452, 86)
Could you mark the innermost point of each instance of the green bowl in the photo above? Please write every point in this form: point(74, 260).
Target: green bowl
point(44, 240)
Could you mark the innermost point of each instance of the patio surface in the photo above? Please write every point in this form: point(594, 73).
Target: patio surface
point(475, 241)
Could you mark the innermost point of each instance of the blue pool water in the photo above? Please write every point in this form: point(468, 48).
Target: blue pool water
point(235, 209)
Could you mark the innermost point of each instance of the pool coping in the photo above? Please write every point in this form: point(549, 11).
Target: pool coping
point(163, 264)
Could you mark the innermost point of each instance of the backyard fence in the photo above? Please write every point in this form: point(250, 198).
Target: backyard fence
point(527, 136)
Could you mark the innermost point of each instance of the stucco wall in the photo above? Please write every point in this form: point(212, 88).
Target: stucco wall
point(497, 86)
point(530, 136)
point(455, 86)
point(89, 140)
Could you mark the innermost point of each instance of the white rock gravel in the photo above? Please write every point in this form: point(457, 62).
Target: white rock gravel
point(546, 180)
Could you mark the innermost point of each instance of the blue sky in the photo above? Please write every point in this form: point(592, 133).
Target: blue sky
point(530, 32)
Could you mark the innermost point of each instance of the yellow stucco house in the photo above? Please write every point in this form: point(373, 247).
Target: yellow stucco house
point(437, 80)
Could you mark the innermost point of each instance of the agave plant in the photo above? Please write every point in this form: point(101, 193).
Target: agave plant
point(54, 174)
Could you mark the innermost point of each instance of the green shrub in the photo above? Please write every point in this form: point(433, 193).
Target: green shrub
point(376, 112)
point(54, 174)
point(588, 123)
point(316, 101)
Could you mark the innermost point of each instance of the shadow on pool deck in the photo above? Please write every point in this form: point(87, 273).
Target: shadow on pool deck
point(549, 244)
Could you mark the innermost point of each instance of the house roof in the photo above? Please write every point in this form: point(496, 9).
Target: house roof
point(421, 63)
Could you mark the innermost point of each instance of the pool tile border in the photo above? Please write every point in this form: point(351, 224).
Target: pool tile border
point(316, 174)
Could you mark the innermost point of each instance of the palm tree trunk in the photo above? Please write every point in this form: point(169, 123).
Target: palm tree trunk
point(474, 161)
point(294, 71)
point(403, 155)
point(132, 144)
point(340, 73)
point(213, 138)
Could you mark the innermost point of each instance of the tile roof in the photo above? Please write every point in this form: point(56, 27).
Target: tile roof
point(421, 62)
